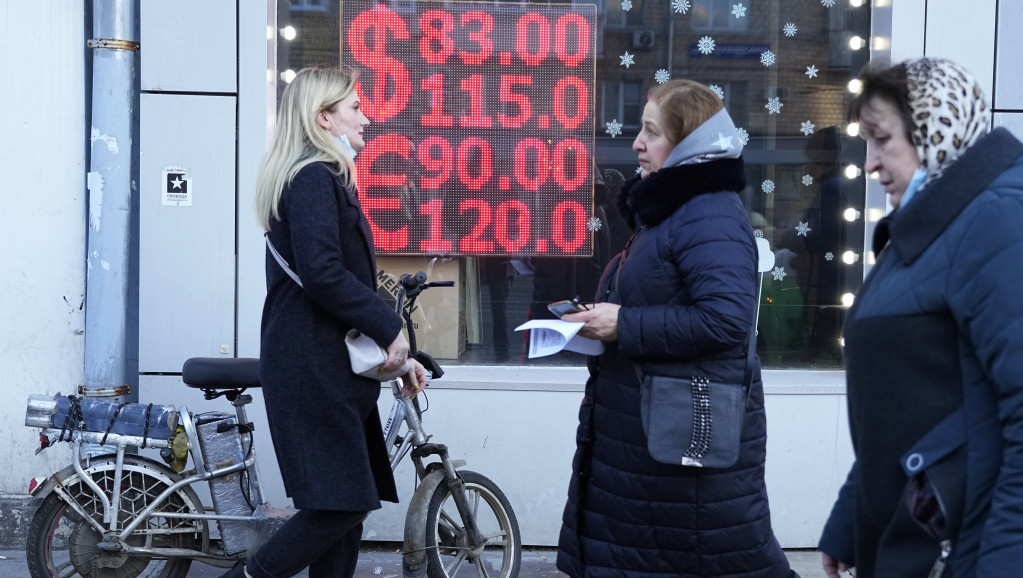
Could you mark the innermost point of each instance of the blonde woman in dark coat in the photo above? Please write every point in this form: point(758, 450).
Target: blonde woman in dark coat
point(323, 417)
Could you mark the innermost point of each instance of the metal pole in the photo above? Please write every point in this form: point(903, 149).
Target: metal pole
point(109, 211)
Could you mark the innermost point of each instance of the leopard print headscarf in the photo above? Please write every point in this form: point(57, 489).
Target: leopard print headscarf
point(949, 112)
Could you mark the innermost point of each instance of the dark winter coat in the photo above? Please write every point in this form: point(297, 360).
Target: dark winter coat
point(688, 292)
point(323, 418)
point(934, 350)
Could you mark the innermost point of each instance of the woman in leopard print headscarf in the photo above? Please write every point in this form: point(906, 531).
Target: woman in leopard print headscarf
point(934, 341)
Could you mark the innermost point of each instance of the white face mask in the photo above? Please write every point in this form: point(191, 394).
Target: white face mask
point(342, 140)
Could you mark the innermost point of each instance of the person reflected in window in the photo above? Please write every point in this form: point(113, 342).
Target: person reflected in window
point(678, 301)
point(323, 417)
point(818, 240)
point(934, 339)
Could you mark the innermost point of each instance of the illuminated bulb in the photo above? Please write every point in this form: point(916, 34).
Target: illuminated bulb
point(851, 214)
point(856, 3)
point(288, 32)
point(850, 257)
point(855, 85)
point(857, 42)
point(852, 171)
point(841, 341)
point(853, 129)
point(847, 300)
point(288, 75)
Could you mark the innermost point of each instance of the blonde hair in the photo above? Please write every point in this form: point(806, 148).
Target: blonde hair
point(299, 140)
point(685, 105)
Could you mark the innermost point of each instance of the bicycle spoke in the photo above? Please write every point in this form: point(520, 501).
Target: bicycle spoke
point(453, 568)
point(481, 570)
point(64, 570)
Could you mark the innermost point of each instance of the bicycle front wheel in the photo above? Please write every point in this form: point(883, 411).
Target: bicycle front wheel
point(447, 546)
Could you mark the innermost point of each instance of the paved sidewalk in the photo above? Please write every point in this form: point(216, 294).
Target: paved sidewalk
point(380, 562)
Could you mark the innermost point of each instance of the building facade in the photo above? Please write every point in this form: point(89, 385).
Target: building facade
point(207, 78)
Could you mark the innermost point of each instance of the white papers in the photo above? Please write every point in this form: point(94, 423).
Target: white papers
point(549, 336)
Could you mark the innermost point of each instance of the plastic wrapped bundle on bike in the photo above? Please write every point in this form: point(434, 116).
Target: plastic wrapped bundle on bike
point(69, 414)
point(221, 447)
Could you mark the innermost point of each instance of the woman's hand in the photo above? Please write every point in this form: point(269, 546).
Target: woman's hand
point(833, 567)
point(601, 321)
point(397, 353)
point(414, 380)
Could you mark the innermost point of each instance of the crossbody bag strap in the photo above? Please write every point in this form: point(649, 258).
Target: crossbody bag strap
point(280, 260)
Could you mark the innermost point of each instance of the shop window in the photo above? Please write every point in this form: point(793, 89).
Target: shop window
point(782, 68)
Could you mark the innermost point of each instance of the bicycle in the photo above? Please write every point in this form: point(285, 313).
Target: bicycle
point(125, 515)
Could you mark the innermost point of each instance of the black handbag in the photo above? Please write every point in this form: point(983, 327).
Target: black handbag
point(694, 422)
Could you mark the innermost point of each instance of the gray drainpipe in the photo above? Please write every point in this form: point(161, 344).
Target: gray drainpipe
point(109, 182)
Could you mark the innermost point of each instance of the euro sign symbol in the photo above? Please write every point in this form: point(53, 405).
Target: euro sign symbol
point(378, 24)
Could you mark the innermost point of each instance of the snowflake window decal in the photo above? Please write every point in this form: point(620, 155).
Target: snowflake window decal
point(807, 180)
point(680, 6)
point(594, 224)
point(811, 71)
point(802, 229)
point(717, 90)
point(829, 256)
point(774, 105)
point(767, 58)
point(627, 59)
point(790, 29)
point(767, 186)
point(806, 128)
point(705, 45)
point(828, 3)
point(662, 76)
point(738, 10)
point(614, 128)
point(626, 5)
point(743, 135)
point(778, 273)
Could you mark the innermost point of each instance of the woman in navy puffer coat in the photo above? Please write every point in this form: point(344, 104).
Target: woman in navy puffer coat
point(678, 301)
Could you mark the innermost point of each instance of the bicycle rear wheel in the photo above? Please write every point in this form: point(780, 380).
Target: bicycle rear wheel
point(63, 543)
point(447, 548)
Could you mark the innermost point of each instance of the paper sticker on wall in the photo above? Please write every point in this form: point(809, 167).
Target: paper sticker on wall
point(177, 187)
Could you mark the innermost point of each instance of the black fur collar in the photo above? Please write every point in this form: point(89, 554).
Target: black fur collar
point(651, 200)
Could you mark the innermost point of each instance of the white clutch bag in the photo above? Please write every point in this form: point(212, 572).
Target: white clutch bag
point(367, 357)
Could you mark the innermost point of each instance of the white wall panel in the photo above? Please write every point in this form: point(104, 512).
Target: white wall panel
point(964, 33)
point(189, 46)
point(187, 253)
point(1010, 120)
point(1009, 72)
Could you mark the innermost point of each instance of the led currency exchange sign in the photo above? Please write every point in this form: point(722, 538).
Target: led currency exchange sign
point(482, 134)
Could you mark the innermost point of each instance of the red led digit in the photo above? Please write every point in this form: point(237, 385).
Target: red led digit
point(480, 37)
point(572, 216)
point(365, 163)
point(434, 209)
point(582, 39)
point(581, 104)
point(434, 84)
point(474, 86)
point(518, 99)
point(502, 224)
point(580, 165)
point(532, 53)
point(436, 44)
point(539, 166)
point(475, 152)
point(436, 156)
point(380, 21)
point(382, 238)
point(472, 243)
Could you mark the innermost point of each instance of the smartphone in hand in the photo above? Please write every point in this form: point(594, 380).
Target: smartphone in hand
point(560, 308)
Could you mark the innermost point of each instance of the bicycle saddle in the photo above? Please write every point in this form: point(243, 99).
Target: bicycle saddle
point(220, 373)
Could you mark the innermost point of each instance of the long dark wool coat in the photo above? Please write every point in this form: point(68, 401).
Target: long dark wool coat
point(323, 418)
point(688, 292)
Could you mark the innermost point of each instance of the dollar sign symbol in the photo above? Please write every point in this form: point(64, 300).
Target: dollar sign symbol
point(380, 21)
